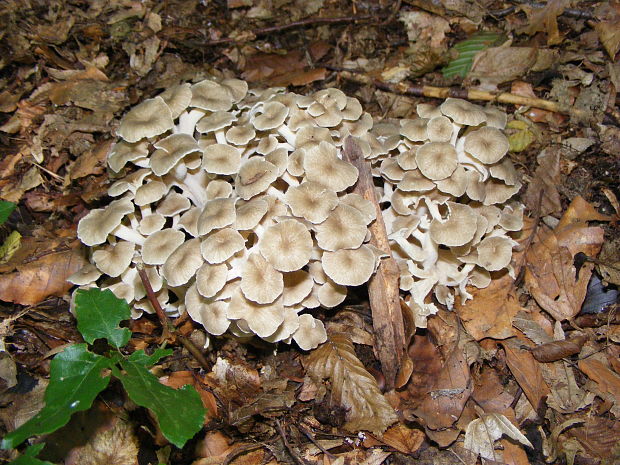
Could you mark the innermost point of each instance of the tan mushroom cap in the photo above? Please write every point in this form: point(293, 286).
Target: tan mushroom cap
point(94, 228)
point(173, 204)
point(286, 328)
point(86, 275)
point(311, 201)
point(240, 135)
point(414, 129)
point(479, 278)
point(170, 151)
point(287, 245)
point(456, 184)
point(427, 110)
point(498, 192)
point(391, 170)
point(272, 116)
point(322, 165)
point(209, 95)
point(177, 98)
point(189, 221)
point(463, 112)
point(489, 145)
point(458, 229)
point(310, 334)
point(148, 119)
point(353, 111)
point(151, 223)
point(249, 213)
point(439, 129)
point(129, 183)
point(494, 253)
point(331, 294)
point(212, 314)
point(267, 144)
point(210, 279)
point(365, 207)
point(414, 181)
point(505, 171)
point(221, 159)
point(344, 228)
point(221, 245)
point(183, 263)
point(261, 282)
point(214, 121)
point(349, 267)
point(512, 217)
point(262, 320)
point(238, 88)
point(279, 158)
point(149, 193)
point(436, 160)
point(496, 118)
point(159, 245)
point(254, 177)
point(123, 152)
point(310, 136)
point(115, 259)
point(297, 286)
point(216, 214)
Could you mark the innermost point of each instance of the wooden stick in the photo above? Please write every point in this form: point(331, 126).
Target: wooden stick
point(383, 287)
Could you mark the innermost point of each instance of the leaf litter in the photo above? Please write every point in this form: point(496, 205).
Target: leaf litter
point(520, 353)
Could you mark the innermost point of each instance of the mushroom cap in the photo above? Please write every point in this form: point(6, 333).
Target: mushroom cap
point(487, 144)
point(177, 98)
point(209, 95)
point(210, 279)
point(413, 181)
point(150, 192)
point(406, 160)
point(286, 328)
point(310, 136)
point(365, 207)
point(344, 228)
point(218, 189)
point(297, 286)
point(494, 253)
point(221, 245)
point(261, 282)
point(272, 115)
point(391, 170)
point(463, 112)
point(183, 263)
point(85, 275)
point(173, 204)
point(170, 151)
point(189, 221)
point(214, 121)
point(458, 229)
point(427, 110)
point(216, 214)
point(221, 159)
point(331, 294)
point(279, 158)
point(159, 245)
point(94, 228)
point(512, 218)
point(311, 201)
point(496, 118)
point(287, 245)
point(123, 152)
point(439, 129)
point(456, 184)
point(436, 160)
point(240, 135)
point(498, 192)
point(212, 314)
point(311, 332)
point(254, 177)
point(238, 88)
point(148, 119)
point(414, 129)
point(349, 267)
point(505, 171)
point(263, 320)
point(115, 259)
point(322, 165)
point(249, 213)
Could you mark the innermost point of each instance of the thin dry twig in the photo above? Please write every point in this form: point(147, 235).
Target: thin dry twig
point(290, 450)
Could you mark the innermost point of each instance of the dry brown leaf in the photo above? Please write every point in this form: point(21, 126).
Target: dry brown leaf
point(490, 394)
point(44, 275)
point(609, 35)
point(90, 162)
point(490, 312)
point(599, 436)
point(400, 437)
point(545, 19)
point(557, 350)
point(352, 387)
point(607, 380)
point(481, 434)
point(546, 179)
point(527, 373)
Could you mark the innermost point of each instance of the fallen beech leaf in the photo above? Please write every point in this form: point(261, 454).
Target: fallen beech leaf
point(352, 387)
point(609, 35)
point(557, 350)
point(90, 162)
point(527, 373)
point(546, 179)
point(607, 380)
point(481, 434)
point(47, 275)
point(545, 19)
point(403, 439)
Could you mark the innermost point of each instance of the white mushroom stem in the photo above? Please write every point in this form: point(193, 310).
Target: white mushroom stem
point(188, 120)
point(128, 234)
point(145, 210)
point(285, 132)
point(456, 129)
point(467, 160)
point(194, 186)
point(278, 194)
point(248, 152)
point(431, 250)
point(220, 136)
point(290, 180)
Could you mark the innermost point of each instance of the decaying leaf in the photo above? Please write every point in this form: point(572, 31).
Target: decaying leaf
point(352, 387)
point(607, 380)
point(546, 179)
point(545, 19)
point(481, 434)
point(527, 373)
point(557, 350)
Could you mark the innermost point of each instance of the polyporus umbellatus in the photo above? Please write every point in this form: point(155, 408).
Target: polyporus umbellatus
point(238, 210)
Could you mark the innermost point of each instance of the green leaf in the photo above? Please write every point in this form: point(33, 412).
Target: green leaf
point(29, 457)
point(180, 412)
point(6, 208)
point(467, 50)
point(99, 314)
point(75, 380)
point(10, 246)
point(139, 356)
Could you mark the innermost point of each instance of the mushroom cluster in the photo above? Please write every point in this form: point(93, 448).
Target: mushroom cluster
point(446, 186)
point(237, 207)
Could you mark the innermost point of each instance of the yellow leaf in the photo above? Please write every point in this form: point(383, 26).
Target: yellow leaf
point(10, 246)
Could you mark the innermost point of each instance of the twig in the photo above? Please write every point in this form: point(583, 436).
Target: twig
point(383, 287)
point(287, 445)
point(569, 12)
point(458, 92)
point(168, 329)
point(309, 435)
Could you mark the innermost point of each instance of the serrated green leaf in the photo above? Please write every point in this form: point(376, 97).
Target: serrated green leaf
point(179, 412)
point(75, 381)
point(99, 313)
point(139, 356)
point(29, 456)
point(467, 50)
point(10, 246)
point(6, 208)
